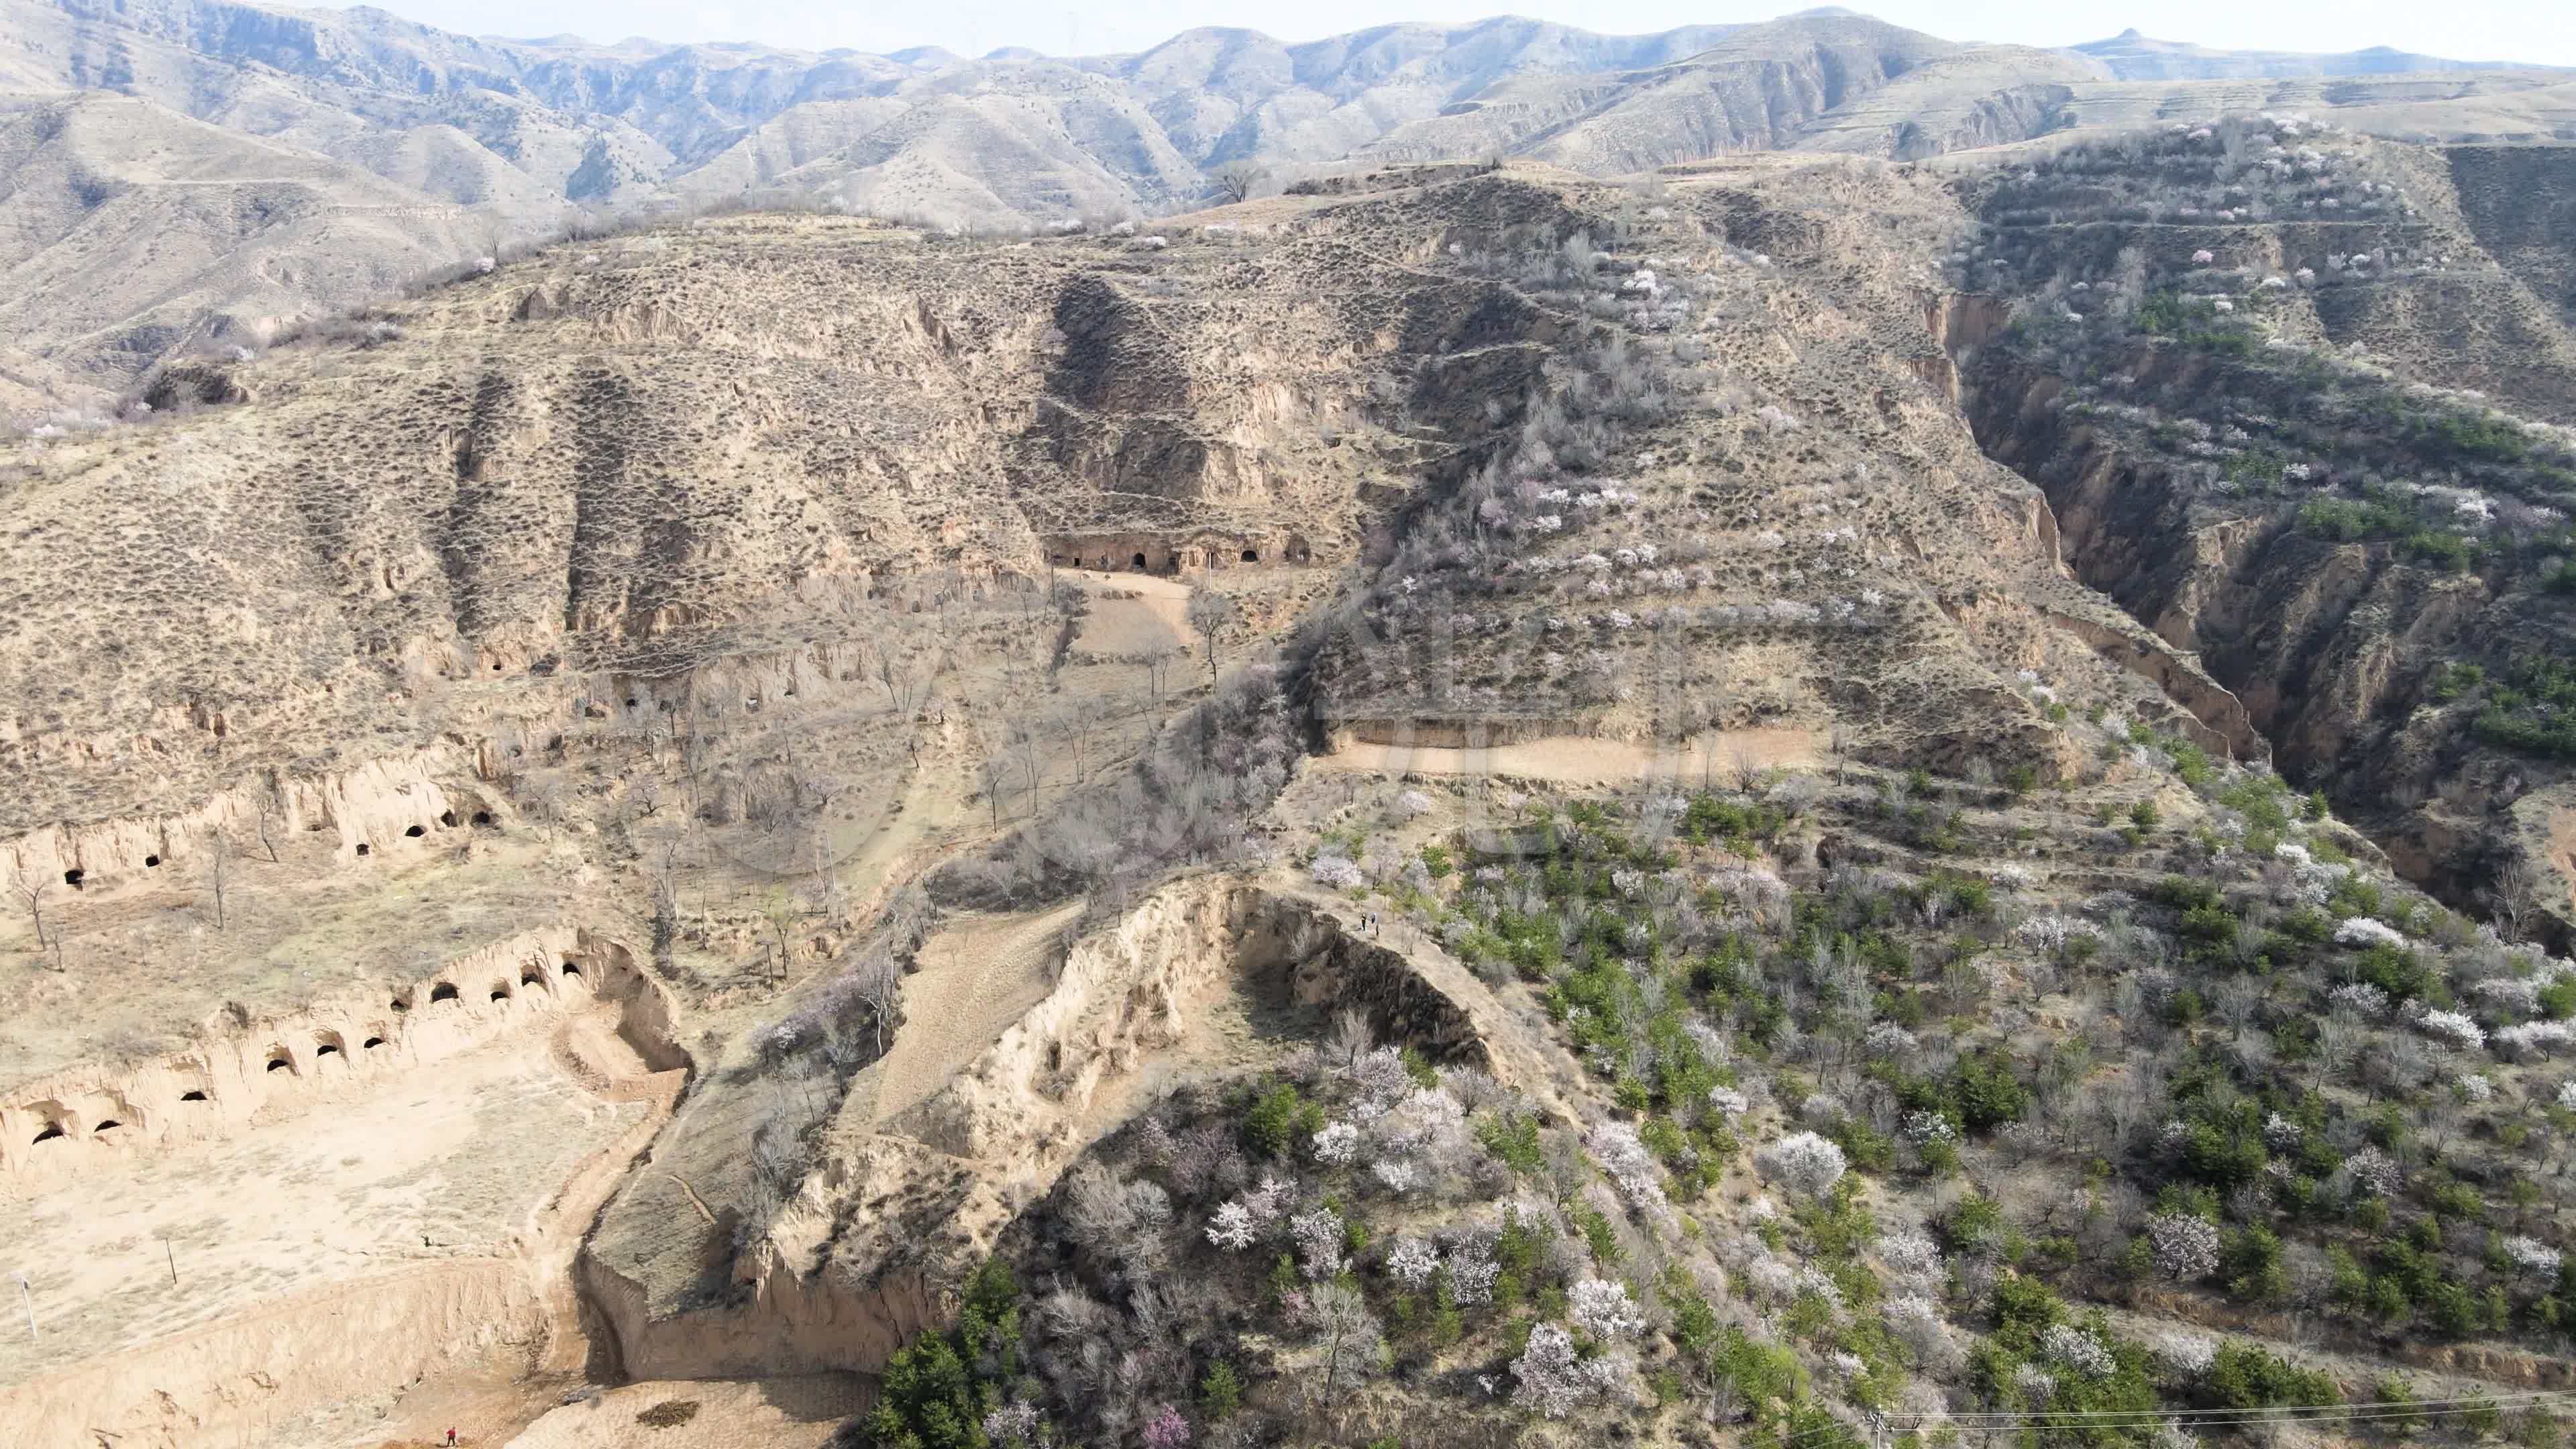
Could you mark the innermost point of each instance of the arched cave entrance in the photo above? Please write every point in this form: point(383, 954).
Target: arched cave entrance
point(1138, 562)
point(571, 967)
point(73, 877)
point(415, 832)
point(192, 1096)
point(443, 991)
point(500, 991)
point(362, 847)
point(447, 819)
point(482, 819)
point(53, 1132)
point(326, 1047)
point(279, 1061)
point(103, 1128)
point(1298, 552)
point(1252, 555)
point(150, 861)
point(532, 977)
point(371, 1043)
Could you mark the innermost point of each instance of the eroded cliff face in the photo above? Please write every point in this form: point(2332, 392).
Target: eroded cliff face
point(866, 1250)
point(672, 451)
point(2327, 645)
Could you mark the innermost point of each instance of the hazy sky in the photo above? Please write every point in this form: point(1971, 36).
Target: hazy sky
point(2535, 31)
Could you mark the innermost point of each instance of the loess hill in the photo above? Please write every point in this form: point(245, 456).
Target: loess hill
point(199, 173)
point(1790, 801)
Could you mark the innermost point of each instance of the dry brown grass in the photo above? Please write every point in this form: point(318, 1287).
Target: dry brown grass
point(668, 1414)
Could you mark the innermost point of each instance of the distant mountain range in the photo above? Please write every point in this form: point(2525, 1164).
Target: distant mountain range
point(181, 171)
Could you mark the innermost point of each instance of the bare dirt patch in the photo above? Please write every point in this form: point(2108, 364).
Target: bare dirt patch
point(1577, 760)
point(421, 1199)
point(291, 932)
point(1132, 613)
point(974, 980)
point(786, 1413)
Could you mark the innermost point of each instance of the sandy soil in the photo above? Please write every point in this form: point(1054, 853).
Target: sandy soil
point(1580, 760)
point(291, 931)
point(1157, 619)
point(794, 1413)
point(441, 1162)
point(975, 979)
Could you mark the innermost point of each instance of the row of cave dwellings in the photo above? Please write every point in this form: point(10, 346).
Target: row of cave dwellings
point(326, 1045)
point(77, 877)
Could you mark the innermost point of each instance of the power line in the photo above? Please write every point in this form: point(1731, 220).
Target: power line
point(2365, 1412)
point(2527, 1398)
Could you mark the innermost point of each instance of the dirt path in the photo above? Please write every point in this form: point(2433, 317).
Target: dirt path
point(1577, 759)
point(975, 979)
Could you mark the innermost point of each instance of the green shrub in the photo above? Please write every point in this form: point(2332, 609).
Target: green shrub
point(2245, 1377)
point(1512, 1137)
point(932, 1395)
point(1220, 1393)
point(1279, 1119)
point(2453, 680)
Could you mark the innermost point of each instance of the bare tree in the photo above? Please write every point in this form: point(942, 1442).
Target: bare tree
point(819, 848)
point(665, 871)
point(1353, 1341)
point(1746, 767)
point(1077, 723)
point(2340, 1033)
point(267, 825)
point(990, 772)
point(2511, 895)
point(1209, 613)
point(219, 861)
point(879, 981)
point(1158, 669)
point(1236, 179)
point(1349, 1040)
point(897, 677)
point(29, 886)
point(782, 914)
point(1029, 753)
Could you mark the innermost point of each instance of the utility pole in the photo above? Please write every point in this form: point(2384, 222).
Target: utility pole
point(173, 1255)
